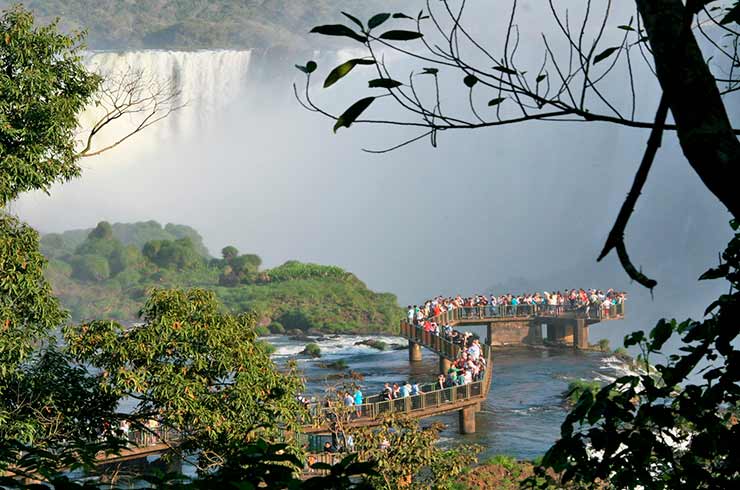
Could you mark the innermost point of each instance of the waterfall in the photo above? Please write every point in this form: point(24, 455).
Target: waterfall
point(207, 82)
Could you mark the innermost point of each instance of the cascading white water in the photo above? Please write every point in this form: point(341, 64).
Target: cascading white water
point(208, 82)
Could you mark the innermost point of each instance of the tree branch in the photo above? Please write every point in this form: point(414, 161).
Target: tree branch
point(616, 235)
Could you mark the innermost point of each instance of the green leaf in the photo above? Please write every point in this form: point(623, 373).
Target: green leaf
point(400, 35)
point(496, 101)
point(504, 69)
point(352, 113)
point(353, 19)
point(377, 20)
point(338, 30)
point(541, 77)
point(401, 15)
point(716, 273)
point(309, 68)
point(733, 15)
point(384, 83)
point(341, 70)
point(470, 80)
point(660, 334)
point(626, 28)
point(430, 71)
point(605, 54)
point(634, 338)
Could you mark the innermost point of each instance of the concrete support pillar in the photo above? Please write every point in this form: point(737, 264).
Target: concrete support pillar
point(569, 334)
point(552, 333)
point(466, 420)
point(444, 364)
point(534, 337)
point(489, 334)
point(580, 336)
point(414, 352)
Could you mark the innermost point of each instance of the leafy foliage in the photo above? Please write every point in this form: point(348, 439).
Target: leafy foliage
point(136, 234)
point(648, 430)
point(578, 387)
point(294, 270)
point(312, 350)
point(298, 295)
point(44, 87)
point(178, 254)
point(28, 311)
point(407, 456)
point(200, 369)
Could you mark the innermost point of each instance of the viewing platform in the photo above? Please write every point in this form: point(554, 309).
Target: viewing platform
point(529, 324)
point(505, 325)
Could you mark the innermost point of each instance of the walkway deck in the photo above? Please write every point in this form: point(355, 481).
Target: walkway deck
point(464, 399)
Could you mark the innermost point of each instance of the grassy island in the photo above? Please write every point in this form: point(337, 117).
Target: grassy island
point(106, 273)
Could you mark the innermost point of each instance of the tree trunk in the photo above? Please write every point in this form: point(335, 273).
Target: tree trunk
point(704, 131)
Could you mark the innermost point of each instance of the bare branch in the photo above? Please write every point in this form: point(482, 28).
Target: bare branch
point(133, 96)
point(616, 235)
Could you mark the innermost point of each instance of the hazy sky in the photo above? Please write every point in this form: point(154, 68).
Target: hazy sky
point(520, 206)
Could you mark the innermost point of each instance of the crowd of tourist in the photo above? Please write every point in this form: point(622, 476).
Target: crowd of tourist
point(587, 301)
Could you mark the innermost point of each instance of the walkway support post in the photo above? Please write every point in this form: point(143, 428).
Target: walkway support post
point(414, 351)
point(466, 420)
point(580, 335)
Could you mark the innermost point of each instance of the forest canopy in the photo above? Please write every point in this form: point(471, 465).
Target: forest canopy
point(106, 272)
point(189, 24)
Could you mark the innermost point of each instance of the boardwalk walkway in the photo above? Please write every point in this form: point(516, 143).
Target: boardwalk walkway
point(563, 324)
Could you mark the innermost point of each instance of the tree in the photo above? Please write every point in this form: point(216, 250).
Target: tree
point(45, 87)
point(173, 254)
point(407, 455)
point(229, 253)
point(566, 86)
point(672, 426)
point(199, 370)
point(28, 310)
point(647, 430)
point(90, 267)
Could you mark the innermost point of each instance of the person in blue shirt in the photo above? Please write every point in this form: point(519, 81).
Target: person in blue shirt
point(358, 401)
point(406, 390)
point(416, 389)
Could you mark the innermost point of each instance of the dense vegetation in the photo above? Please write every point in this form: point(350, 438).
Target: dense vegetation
point(107, 271)
point(189, 24)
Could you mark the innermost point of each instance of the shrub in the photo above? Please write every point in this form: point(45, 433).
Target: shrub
point(261, 330)
point(578, 387)
point(266, 347)
point(622, 354)
point(91, 268)
point(277, 328)
point(312, 350)
point(504, 460)
point(339, 364)
point(604, 345)
point(374, 343)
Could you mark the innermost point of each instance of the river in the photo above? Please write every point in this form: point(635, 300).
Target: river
point(524, 409)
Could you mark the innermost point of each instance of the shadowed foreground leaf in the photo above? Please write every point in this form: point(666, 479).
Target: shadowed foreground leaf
point(350, 115)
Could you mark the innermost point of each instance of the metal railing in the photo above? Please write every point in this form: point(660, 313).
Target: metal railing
point(439, 343)
point(483, 312)
point(372, 409)
point(152, 437)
